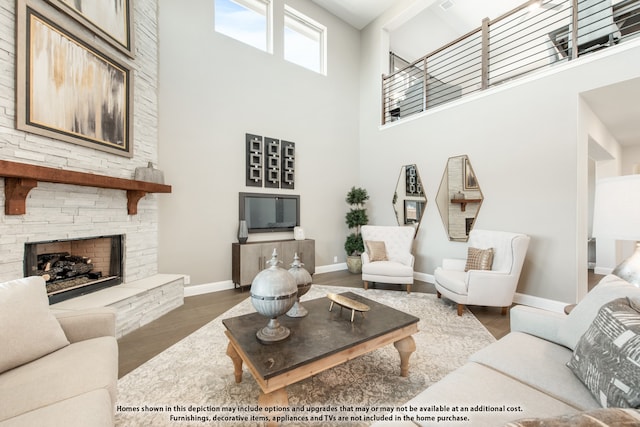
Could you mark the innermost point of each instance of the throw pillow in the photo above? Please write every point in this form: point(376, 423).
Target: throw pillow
point(28, 329)
point(377, 250)
point(607, 357)
point(613, 417)
point(578, 321)
point(479, 259)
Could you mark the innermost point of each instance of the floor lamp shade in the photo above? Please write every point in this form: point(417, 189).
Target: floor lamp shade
point(616, 215)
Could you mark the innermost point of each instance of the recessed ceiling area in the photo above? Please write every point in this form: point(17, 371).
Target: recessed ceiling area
point(618, 108)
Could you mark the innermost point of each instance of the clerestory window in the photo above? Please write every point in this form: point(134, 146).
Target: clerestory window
point(305, 41)
point(248, 21)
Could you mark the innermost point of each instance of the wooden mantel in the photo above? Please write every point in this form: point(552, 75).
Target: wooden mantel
point(20, 178)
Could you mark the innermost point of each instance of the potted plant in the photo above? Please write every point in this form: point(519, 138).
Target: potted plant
point(356, 217)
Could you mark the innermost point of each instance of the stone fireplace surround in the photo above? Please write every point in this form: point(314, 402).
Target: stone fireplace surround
point(56, 211)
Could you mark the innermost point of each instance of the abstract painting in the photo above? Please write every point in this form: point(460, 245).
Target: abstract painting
point(71, 91)
point(110, 19)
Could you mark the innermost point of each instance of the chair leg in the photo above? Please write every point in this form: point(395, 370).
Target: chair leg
point(460, 309)
point(504, 311)
point(366, 285)
point(439, 294)
point(408, 289)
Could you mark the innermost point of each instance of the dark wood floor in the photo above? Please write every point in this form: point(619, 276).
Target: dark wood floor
point(153, 338)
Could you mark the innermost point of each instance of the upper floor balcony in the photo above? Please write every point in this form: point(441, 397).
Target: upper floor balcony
point(536, 35)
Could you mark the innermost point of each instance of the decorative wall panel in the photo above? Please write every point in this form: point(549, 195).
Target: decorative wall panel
point(414, 186)
point(254, 160)
point(288, 165)
point(272, 162)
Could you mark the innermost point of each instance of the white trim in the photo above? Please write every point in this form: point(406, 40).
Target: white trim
point(543, 303)
point(331, 268)
point(424, 277)
point(603, 270)
point(206, 288)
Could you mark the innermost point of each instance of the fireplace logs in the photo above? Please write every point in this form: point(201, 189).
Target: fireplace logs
point(62, 266)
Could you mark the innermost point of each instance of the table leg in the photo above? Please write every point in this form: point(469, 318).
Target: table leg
point(405, 347)
point(237, 362)
point(275, 398)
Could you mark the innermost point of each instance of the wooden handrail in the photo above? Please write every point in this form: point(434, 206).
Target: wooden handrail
point(20, 178)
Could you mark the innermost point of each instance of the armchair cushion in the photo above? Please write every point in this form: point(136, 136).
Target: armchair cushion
point(29, 329)
point(453, 280)
point(387, 268)
point(479, 259)
point(377, 250)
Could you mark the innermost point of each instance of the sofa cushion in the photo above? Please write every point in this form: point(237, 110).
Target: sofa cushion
point(489, 397)
point(29, 329)
point(479, 259)
point(605, 417)
point(539, 364)
point(580, 318)
point(95, 406)
point(71, 371)
point(607, 357)
point(377, 250)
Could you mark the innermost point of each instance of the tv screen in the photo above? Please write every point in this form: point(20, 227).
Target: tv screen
point(269, 212)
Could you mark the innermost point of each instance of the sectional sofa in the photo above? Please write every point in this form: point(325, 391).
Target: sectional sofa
point(524, 378)
point(55, 371)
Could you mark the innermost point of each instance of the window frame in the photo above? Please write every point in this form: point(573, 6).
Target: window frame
point(304, 25)
point(257, 7)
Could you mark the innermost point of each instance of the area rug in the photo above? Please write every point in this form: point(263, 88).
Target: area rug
point(192, 382)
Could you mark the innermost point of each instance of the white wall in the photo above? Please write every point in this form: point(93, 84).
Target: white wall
point(523, 141)
point(56, 211)
point(213, 90)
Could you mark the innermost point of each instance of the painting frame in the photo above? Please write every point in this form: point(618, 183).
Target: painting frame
point(470, 180)
point(413, 211)
point(112, 26)
point(68, 88)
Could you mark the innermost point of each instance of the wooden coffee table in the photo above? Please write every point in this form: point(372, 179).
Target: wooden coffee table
point(321, 340)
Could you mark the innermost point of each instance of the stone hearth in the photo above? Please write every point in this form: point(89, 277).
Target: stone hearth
point(137, 303)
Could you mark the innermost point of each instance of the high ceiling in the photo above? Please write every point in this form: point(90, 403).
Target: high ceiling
point(615, 105)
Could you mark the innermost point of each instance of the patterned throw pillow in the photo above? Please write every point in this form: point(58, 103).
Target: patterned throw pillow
point(377, 250)
point(609, 417)
point(479, 259)
point(607, 357)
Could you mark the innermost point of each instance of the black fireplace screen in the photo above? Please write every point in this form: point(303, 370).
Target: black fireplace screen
point(77, 266)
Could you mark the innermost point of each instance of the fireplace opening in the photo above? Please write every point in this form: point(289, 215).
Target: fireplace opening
point(76, 267)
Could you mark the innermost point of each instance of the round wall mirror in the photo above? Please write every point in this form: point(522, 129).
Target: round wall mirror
point(409, 200)
point(459, 198)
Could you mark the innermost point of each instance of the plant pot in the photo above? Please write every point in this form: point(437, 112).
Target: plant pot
point(354, 264)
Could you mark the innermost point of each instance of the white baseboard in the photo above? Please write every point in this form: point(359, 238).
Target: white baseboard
point(424, 277)
point(206, 288)
point(542, 303)
point(523, 299)
point(331, 268)
point(603, 270)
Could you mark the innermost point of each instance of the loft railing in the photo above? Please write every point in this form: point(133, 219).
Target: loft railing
point(536, 35)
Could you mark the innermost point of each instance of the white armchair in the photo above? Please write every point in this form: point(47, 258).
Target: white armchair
point(387, 257)
point(494, 287)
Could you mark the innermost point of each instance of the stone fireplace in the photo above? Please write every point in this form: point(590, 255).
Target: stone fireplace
point(76, 267)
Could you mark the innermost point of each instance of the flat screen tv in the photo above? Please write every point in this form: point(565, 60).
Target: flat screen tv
point(270, 212)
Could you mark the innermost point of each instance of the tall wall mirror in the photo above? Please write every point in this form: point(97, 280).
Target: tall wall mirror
point(409, 200)
point(459, 198)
